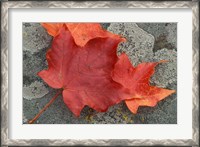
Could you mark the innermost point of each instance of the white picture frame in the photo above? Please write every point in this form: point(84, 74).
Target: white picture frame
point(5, 130)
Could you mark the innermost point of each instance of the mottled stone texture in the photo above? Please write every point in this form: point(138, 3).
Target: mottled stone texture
point(165, 34)
point(145, 42)
point(139, 44)
point(35, 37)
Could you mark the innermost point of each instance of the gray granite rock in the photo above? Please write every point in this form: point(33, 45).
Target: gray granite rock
point(165, 34)
point(139, 44)
point(57, 112)
point(35, 90)
point(35, 37)
point(32, 64)
point(36, 41)
point(117, 114)
point(166, 73)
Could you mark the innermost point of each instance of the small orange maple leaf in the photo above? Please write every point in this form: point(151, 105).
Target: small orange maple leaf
point(136, 79)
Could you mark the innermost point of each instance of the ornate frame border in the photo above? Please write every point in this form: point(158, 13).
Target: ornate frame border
point(98, 4)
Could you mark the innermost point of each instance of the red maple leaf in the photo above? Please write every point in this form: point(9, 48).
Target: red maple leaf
point(84, 73)
point(136, 79)
point(81, 32)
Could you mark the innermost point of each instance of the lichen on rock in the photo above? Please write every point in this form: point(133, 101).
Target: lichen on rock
point(35, 37)
point(35, 90)
point(166, 73)
point(139, 44)
point(164, 33)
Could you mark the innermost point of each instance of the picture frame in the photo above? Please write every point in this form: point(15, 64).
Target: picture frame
point(5, 130)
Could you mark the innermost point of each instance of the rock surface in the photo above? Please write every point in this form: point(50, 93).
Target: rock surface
point(35, 90)
point(166, 73)
point(35, 37)
point(143, 44)
point(165, 34)
point(139, 44)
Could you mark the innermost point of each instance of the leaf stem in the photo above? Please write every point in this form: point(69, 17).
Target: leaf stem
point(45, 107)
